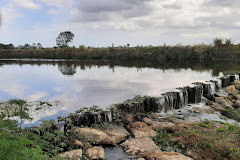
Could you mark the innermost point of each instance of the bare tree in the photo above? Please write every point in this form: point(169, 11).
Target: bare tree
point(64, 38)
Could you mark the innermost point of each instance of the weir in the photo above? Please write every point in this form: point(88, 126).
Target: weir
point(167, 102)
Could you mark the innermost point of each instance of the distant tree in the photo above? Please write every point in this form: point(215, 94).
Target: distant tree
point(39, 45)
point(217, 42)
point(64, 38)
point(128, 45)
point(26, 46)
point(34, 46)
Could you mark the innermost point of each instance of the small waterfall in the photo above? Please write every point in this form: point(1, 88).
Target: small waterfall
point(161, 102)
point(210, 88)
point(175, 100)
point(218, 84)
point(236, 77)
point(109, 115)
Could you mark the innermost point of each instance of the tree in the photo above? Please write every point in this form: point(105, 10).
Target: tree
point(64, 38)
point(39, 45)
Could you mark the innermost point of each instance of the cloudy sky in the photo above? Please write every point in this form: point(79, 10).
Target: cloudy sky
point(103, 22)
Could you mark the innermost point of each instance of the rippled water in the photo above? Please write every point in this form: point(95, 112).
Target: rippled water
point(77, 84)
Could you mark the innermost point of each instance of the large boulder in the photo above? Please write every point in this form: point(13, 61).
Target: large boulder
point(164, 156)
point(217, 107)
point(162, 126)
point(231, 89)
point(95, 153)
point(141, 129)
point(111, 136)
point(179, 124)
point(224, 103)
point(74, 154)
point(137, 147)
point(237, 104)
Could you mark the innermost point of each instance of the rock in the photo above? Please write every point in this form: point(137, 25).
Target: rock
point(236, 97)
point(129, 118)
point(141, 129)
point(180, 124)
point(194, 155)
point(95, 153)
point(224, 103)
point(76, 142)
point(136, 147)
point(203, 109)
point(111, 136)
point(217, 107)
point(231, 89)
point(237, 104)
point(141, 159)
point(163, 126)
point(237, 84)
point(165, 156)
point(74, 154)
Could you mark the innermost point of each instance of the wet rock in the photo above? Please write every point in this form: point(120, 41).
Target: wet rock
point(195, 94)
point(141, 129)
point(136, 147)
point(111, 136)
point(225, 81)
point(224, 103)
point(138, 105)
point(95, 153)
point(76, 142)
point(203, 109)
point(217, 107)
point(231, 89)
point(237, 104)
point(162, 126)
point(165, 156)
point(74, 154)
point(194, 155)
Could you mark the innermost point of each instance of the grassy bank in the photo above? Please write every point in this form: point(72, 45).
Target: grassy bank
point(178, 52)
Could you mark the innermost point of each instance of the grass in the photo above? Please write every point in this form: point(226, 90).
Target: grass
point(210, 141)
point(232, 114)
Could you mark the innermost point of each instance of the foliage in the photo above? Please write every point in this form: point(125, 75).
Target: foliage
point(232, 114)
point(64, 38)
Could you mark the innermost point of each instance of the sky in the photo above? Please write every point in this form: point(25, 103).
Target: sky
point(99, 23)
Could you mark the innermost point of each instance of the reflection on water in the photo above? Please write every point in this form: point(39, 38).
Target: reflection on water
point(77, 84)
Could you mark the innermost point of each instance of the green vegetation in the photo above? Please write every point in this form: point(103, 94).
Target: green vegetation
point(232, 114)
point(220, 50)
point(205, 140)
point(37, 143)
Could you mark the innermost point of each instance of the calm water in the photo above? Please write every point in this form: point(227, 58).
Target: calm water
point(78, 84)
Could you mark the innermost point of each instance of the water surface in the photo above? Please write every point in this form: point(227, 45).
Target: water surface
point(75, 84)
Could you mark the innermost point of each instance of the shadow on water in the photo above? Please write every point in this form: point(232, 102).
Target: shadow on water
point(69, 67)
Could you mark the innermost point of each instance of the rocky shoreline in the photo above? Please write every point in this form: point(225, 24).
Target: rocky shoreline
point(133, 123)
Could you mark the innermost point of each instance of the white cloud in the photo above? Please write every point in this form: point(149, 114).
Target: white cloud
point(237, 24)
point(58, 3)
point(206, 35)
point(28, 4)
point(9, 14)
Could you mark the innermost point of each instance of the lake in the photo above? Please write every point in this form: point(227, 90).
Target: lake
point(72, 85)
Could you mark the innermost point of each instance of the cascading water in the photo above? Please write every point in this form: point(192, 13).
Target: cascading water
point(236, 77)
point(175, 100)
point(218, 84)
point(209, 88)
point(109, 115)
